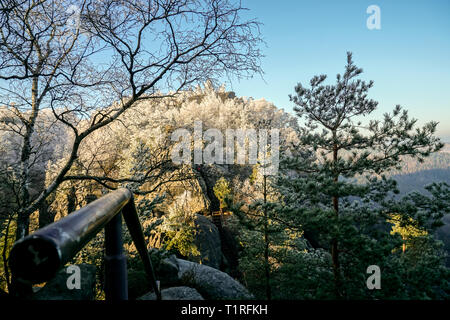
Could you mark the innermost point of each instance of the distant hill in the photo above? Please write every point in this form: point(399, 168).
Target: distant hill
point(416, 181)
point(414, 176)
point(446, 148)
point(437, 160)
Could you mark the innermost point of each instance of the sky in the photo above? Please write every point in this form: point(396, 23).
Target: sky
point(408, 58)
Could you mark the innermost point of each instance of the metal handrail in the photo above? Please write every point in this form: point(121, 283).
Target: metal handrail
point(38, 257)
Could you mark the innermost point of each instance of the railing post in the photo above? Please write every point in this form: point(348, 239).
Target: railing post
point(38, 257)
point(116, 282)
point(134, 227)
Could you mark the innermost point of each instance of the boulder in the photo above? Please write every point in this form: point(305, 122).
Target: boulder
point(57, 288)
point(167, 270)
point(207, 240)
point(175, 293)
point(166, 267)
point(211, 283)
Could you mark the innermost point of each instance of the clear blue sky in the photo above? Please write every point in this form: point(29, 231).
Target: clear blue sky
point(408, 58)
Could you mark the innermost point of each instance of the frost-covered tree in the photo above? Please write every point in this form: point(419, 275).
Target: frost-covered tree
point(96, 59)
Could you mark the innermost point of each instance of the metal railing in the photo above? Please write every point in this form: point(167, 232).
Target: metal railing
point(38, 257)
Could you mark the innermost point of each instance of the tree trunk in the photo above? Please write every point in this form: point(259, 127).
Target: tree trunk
point(23, 219)
point(214, 203)
point(71, 200)
point(46, 216)
point(335, 254)
point(23, 225)
point(334, 241)
point(266, 242)
point(5, 258)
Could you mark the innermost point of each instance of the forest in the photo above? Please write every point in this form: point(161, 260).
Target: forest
point(86, 112)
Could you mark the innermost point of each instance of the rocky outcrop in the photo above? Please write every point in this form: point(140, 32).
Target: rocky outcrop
point(207, 241)
point(166, 268)
point(58, 289)
point(175, 293)
point(211, 283)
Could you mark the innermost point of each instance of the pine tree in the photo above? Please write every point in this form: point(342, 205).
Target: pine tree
point(260, 232)
point(320, 192)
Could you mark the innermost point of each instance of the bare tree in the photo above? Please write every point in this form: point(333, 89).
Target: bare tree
point(96, 59)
